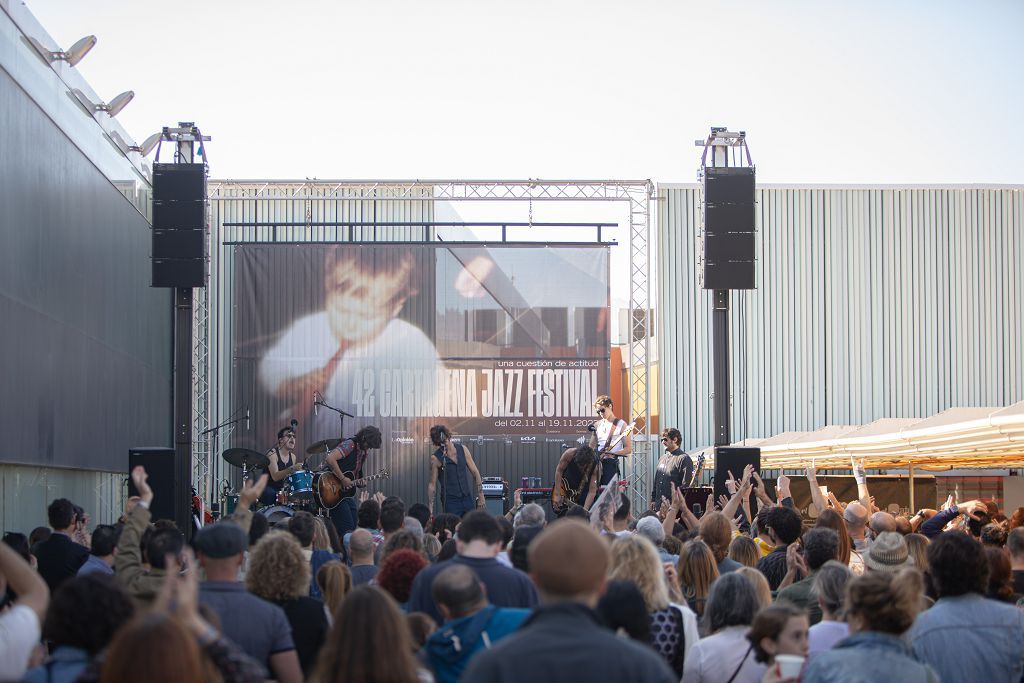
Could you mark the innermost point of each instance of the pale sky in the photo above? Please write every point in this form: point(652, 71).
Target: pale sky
point(923, 91)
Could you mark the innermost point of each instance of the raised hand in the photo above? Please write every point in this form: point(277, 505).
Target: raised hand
point(139, 478)
point(251, 491)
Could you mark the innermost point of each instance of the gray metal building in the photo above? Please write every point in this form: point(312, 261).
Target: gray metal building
point(85, 358)
point(871, 302)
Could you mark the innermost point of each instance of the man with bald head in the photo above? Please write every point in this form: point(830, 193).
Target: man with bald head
point(563, 640)
point(360, 549)
point(881, 522)
point(856, 517)
point(470, 623)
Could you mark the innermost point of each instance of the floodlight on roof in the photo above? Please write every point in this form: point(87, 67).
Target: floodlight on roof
point(72, 55)
point(114, 107)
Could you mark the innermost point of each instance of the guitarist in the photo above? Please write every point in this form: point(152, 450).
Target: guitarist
point(675, 467)
point(454, 464)
point(349, 456)
point(576, 478)
point(608, 429)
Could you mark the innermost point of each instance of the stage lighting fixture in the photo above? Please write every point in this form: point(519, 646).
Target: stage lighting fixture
point(117, 104)
point(72, 55)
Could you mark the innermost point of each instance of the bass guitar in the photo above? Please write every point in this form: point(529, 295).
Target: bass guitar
point(567, 495)
point(329, 492)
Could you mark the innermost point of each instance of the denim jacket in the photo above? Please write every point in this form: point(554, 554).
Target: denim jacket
point(971, 638)
point(868, 657)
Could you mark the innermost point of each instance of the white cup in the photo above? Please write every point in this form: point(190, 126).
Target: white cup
point(789, 666)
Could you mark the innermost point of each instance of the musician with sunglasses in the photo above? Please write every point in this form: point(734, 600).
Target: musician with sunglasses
point(609, 429)
point(675, 467)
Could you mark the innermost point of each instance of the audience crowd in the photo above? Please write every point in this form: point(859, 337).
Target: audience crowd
point(747, 592)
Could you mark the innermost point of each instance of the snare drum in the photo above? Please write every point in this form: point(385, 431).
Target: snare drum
point(276, 513)
point(301, 485)
point(230, 503)
point(282, 497)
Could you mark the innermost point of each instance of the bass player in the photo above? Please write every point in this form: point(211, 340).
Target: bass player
point(576, 477)
point(610, 440)
point(349, 456)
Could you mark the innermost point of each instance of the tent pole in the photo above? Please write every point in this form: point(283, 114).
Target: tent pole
point(910, 470)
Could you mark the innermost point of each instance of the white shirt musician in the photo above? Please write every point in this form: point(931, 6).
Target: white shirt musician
point(609, 430)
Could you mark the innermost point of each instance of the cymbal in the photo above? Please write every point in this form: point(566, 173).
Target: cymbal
point(242, 457)
point(323, 446)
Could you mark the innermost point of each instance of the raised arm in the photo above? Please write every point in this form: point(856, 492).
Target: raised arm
point(816, 496)
point(861, 476)
point(733, 505)
point(26, 582)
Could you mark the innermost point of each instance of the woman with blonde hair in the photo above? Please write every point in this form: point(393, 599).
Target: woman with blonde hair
point(697, 570)
point(760, 584)
point(673, 627)
point(321, 541)
point(744, 550)
point(335, 581)
point(917, 546)
point(279, 573)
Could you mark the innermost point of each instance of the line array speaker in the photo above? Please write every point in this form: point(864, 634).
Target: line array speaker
point(729, 243)
point(179, 253)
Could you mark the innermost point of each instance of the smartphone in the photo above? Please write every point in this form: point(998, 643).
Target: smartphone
point(697, 508)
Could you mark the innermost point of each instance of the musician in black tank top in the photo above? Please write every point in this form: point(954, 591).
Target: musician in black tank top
point(453, 465)
point(283, 464)
point(581, 471)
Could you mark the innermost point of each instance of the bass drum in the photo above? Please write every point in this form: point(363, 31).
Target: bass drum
point(277, 513)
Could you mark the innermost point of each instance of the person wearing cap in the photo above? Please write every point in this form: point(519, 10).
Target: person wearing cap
point(259, 627)
point(564, 639)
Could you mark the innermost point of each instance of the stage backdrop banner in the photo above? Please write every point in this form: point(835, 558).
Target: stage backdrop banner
point(492, 340)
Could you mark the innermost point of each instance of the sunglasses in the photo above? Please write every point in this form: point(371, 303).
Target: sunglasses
point(600, 411)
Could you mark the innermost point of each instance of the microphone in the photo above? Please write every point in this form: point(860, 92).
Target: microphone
point(315, 404)
point(295, 424)
point(247, 418)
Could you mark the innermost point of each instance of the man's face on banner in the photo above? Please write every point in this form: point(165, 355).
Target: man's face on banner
point(360, 305)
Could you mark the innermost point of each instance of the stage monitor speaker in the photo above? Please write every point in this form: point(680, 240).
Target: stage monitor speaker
point(729, 275)
point(179, 244)
point(159, 464)
point(179, 272)
point(732, 459)
point(179, 182)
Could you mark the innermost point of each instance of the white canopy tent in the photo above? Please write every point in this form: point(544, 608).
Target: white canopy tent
point(985, 437)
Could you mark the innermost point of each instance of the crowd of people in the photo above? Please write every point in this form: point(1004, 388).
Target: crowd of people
point(747, 592)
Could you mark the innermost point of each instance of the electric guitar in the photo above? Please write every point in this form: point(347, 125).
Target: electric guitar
point(330, 491)
point(566, 494)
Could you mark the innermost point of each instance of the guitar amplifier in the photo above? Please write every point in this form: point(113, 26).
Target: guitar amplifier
point(495, 495)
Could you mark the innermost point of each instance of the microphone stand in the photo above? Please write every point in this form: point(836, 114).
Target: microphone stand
point(319, 401)
point(215, 431)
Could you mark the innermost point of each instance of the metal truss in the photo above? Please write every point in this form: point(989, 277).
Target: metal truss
point(637, 194)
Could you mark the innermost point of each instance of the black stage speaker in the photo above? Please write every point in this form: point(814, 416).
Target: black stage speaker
point(729, 459)
point(179, 225)
point(729, 246)
point(159, 464)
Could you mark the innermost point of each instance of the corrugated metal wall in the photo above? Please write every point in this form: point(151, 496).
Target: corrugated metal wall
point(871, 302)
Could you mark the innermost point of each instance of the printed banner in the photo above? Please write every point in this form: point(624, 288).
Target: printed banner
point(488, 339)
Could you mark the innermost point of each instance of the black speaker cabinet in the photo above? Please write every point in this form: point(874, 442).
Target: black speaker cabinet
point(730, 459)
point(179, 272)
point(179, 215)
point(159, 464)
point(179, 244)
point(729, 185)
point(729, 275)
point(729, 220)
point(179, 182)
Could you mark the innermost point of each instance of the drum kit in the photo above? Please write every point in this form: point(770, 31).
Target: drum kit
point(315, 491)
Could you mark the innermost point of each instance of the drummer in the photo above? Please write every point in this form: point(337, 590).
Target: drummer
point(283, 464)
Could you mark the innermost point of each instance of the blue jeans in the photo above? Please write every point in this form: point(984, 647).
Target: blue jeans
point(459, 505)
point(344, 516)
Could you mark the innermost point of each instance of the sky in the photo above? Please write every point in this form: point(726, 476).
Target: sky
point(868, 92)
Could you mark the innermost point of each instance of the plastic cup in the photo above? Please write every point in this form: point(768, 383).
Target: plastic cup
point(789, 666)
